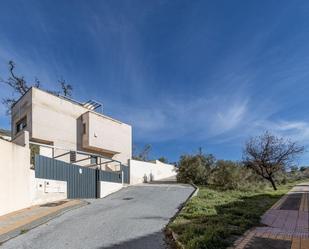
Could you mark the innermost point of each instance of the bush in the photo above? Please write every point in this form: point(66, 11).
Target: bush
point(226, 175)
point(34, 150)
point(233, 175)
point(195, 168)
point(294, 175)
point(203, 169)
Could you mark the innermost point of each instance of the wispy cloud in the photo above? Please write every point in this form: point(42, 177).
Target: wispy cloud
point(295, 130)
point(171, 73)
point(179, 119)
point(212, 120)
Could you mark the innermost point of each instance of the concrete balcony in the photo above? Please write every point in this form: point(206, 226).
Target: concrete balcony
point(104, 134)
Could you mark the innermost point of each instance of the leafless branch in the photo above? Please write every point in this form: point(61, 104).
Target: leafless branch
point(268, 154)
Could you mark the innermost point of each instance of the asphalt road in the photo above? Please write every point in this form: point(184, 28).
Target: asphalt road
point(132, 218)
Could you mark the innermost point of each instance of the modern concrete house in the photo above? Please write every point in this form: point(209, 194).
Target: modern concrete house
point(64, 149)
point(61, 122)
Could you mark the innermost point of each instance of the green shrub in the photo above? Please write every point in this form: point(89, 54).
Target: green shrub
point(34, 150)
point(203, 169)
point(233, 175)
point(195, 168)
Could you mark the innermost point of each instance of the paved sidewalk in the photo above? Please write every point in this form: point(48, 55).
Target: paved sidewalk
point(23, 220)
point(286, 224)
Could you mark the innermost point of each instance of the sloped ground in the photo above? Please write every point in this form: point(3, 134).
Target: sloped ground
point(131, 218)
point(215, 218)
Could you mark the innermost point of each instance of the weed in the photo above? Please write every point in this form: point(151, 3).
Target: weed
point(215, 218)
point(22, 231)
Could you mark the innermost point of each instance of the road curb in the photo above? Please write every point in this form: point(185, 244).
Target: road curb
point(169, 233)
point(23, 229)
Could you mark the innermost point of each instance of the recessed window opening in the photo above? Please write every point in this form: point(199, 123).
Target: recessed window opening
point(21, 124)
point(84, 128)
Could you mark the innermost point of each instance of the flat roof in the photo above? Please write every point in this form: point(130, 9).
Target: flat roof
point(73, 102)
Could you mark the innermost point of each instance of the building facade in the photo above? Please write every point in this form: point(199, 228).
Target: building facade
point(65, 123)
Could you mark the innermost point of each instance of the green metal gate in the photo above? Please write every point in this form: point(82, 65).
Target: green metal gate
point(81, 181)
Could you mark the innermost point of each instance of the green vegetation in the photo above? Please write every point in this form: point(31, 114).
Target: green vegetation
point(229, 175)
point(195, 168)
point(234, 195)
point(22, 231)
point(215, 218)
point(205, 169)
point(268, 155)
point(34, 150)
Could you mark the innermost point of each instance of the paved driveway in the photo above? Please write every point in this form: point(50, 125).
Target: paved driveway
point(131, 218)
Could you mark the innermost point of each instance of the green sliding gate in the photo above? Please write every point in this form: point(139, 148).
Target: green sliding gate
point(82, 182)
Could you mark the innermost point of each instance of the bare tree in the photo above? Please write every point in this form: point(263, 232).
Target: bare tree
point(19, 86)
point(143, 155)
point(268, 154)
point(163, 159)
point(66, 88)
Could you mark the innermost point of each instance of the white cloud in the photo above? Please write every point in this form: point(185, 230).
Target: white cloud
point(230, 118)
point(295, 130)
point(189, 119)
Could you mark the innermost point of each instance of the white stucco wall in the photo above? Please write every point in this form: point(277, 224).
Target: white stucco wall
point(22, 139)
point(108, 135)
point(107, 188)
point(45, 151)
point(14, 177)
point(46, 190)
point(8, 138)
point(18, 186)
point(141, 171)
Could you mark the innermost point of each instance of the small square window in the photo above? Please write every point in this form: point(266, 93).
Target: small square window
point(21, 124)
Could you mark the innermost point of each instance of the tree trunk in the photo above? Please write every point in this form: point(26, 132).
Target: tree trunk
point(272, 183)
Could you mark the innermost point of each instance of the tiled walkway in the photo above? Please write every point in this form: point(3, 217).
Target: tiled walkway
point(14, 223)
point(287, 221)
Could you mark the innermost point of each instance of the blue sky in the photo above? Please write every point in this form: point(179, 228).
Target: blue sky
point(185, 74)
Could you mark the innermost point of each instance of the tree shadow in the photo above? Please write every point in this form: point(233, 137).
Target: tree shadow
point(151, 241)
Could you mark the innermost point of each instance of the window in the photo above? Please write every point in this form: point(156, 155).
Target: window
point(21, 124)
point(84, 128)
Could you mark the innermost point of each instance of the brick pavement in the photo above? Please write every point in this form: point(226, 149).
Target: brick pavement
point(286, 220)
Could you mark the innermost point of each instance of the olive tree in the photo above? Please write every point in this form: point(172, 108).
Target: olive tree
point(267, 154)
